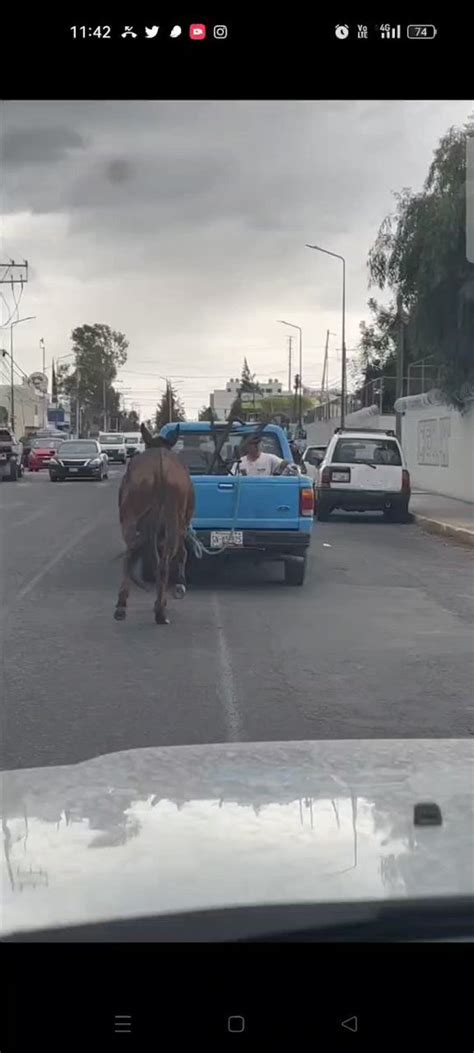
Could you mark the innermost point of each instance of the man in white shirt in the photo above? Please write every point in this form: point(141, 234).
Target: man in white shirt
point(255, 462)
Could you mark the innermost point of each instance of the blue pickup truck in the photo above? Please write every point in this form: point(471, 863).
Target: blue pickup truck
point(267, 518)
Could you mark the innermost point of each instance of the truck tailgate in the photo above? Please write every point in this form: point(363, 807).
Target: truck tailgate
point(244, 502)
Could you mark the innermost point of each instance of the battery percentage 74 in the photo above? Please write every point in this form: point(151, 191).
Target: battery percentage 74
point(421, 32)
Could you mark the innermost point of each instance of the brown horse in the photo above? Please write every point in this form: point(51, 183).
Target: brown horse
point(156, 505)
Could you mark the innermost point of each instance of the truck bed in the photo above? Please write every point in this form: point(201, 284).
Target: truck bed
point(225, 502)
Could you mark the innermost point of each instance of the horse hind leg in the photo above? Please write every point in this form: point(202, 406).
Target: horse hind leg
point(180, 585)
point(162, 579)
point(120, 612)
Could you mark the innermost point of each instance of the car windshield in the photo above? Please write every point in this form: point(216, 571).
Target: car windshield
point(197, 449)
point(111, 440)
point(45, 444)
point(78, 449)
point(366, 451)
point(131, 440)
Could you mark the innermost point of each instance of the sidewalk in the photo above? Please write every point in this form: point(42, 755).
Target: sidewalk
point(444, 515)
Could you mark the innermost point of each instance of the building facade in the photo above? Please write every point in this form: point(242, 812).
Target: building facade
point(29, 407)
point(221, 399)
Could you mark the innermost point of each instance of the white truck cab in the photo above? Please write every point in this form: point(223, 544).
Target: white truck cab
point(113, 444)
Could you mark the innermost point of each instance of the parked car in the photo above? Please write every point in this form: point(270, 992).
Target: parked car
point(11, 455)
point(364, 470)
point(41, 451)
point(312, 458)
point(266, 518)
point(79, 459)
point(113, 444)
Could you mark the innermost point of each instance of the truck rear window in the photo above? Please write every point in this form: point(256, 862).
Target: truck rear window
point(366, 451)
point(196, 449)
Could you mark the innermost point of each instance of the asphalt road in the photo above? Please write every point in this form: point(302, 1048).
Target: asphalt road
point(378, 642)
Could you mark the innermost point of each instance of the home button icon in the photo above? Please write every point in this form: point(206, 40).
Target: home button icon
point(236, 1024)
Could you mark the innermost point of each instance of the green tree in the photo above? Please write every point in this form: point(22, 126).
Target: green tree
point(420, 252)
point(170, 407)
point(99, 352)
point(130, 421)
point(247, 384)
point(247, 379)
point(205, 413)
point(376, 360)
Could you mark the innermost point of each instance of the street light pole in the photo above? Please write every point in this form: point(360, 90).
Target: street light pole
point(28, 318)
point(343, 326)
point(300, 331)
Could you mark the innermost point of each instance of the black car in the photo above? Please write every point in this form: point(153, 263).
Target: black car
point(78, 459)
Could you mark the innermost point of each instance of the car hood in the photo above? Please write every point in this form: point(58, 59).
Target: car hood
point(178, 828)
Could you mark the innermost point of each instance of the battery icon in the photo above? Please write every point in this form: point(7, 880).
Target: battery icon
point(421, 32)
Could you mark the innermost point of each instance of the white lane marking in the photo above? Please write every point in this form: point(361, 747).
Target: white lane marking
point(229, 693)
point(32, 517)
point(56, 559)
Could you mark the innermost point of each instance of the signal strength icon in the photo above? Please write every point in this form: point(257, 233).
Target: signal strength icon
point(388, 32)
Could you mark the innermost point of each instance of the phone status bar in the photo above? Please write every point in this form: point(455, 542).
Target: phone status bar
point(194, 31)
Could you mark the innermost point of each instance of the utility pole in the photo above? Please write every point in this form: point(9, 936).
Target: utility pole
point(170, 402)
point(14, 273)
point(78, 401)
point(28, 318)
point(12, 383)
point(325, 363)
point(290, 344)
point(400, 357)
point(43, 363)
point(343, 367)
point(297, 388)
point(104, 403)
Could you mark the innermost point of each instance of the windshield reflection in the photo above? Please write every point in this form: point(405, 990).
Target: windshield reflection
point(140, 829)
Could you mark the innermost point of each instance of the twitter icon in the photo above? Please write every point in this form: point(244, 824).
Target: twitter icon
point(150, 33)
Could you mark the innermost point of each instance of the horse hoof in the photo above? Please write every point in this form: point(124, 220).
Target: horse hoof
point(120, 614)
point(179, 591)
point(161, 619)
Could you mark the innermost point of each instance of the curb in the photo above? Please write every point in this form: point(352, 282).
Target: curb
point(435, 526)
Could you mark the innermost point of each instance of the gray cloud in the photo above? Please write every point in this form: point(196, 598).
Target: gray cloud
point(185, 223)
point(33, 146)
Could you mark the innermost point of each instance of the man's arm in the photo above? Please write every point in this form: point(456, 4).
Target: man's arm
point(278, 464)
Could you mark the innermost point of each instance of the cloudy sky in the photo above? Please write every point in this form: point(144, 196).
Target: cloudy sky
point(184, 225)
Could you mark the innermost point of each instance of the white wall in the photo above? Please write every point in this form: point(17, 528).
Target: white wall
point(439, 446)
point(29, 408)
point(322, 431)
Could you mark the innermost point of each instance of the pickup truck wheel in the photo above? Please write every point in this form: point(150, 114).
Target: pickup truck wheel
point(13, 471)
point(295, 571)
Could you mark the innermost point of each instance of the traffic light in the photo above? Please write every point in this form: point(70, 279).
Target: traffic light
point(297, 381)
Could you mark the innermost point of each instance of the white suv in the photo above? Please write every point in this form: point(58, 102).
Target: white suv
point(363, 471)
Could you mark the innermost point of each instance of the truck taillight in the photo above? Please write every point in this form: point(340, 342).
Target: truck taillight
point(307, 501)
point(405, 481)
point(325, 477)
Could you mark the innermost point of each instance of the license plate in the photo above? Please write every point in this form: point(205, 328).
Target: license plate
point(341, 477)
point(74, 469)
point(219, 538)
